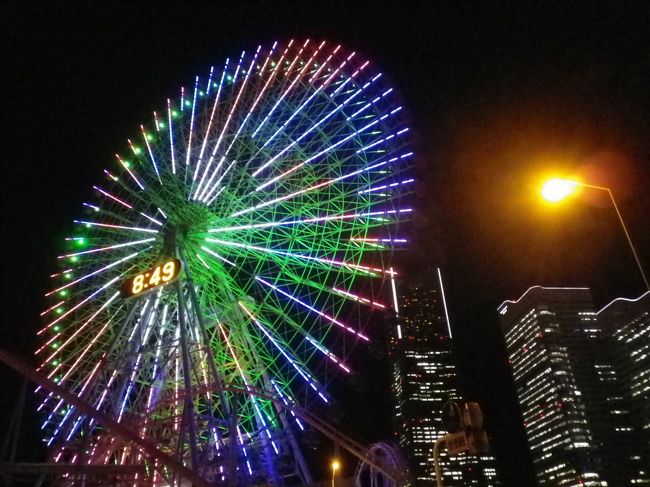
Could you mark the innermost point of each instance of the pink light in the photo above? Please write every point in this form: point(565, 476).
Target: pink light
point(93, 273)
point(359, 298)
point(207, 132)
point(52, 307)
point(198, 194)
point(346, 216)
point(118, 227)
point(125, 166)
point(103, 249)
point(153, 159)
point(105, 193)
point(311, 308)
point(78, 305)
point(297, 256)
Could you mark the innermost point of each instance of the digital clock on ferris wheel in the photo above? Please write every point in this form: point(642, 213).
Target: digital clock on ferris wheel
point(154, 277)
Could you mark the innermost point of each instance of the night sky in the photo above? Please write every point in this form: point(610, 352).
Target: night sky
point(498, 99)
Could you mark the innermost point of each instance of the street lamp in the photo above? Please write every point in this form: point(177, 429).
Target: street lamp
point(557, 189)
point(336, 465)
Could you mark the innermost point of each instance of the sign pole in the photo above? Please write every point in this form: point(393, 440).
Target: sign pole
point(436, 459)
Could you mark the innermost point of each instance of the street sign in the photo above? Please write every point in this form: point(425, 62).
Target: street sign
point(452, 416)
point(456, 443)
point(473, 417)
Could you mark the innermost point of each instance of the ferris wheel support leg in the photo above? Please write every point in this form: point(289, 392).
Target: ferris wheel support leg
point(304, 471)
point(232, 436)
point(228, 407)
point(206, 339)
point(188, 408)
point(268, 454)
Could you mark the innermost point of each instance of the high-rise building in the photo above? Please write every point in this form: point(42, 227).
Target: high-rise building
point(576, 416)
point(424, 378)
point(626, 324)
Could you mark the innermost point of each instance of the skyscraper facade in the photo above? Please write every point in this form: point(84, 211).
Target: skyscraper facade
point(547, 332)
point(626, 324)
point(572, 396)
point(424, 378)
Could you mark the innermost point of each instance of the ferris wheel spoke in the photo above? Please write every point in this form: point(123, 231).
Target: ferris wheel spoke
point(110, 247)
point(309, 380)
point(208, 189)
point(94, 273)
point(147, 139)
point(301, 331)
point(318, 186)
point(226, 123)
point(282, 253)
point(209, 127)
point(331, 319)
point(116, 227)
point(114, 198)
point(71, 409)
point(189, 138)
point(282, 97)
point(78, 305)
point(171, 136)
point(310, 221)
point(330, 114)
point(126, 165)
point(323, 152)
point(78, 331)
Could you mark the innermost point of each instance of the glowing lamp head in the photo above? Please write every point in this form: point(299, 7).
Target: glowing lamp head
point(336, 465)
point(555, 190)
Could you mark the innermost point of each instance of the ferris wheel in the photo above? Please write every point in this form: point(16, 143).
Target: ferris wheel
point(210, 282)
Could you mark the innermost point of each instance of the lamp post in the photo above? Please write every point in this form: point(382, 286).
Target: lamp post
point(336, 465)
point(556, 190)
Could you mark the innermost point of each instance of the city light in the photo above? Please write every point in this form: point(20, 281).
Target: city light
point(555, 190)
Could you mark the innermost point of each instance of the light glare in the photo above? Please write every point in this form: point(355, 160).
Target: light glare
point(556, 189)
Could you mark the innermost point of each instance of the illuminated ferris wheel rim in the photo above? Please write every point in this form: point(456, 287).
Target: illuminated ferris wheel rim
point(266, 185)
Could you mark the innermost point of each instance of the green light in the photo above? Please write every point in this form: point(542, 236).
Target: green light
point(174, 113)
point(68, 275)
point(74, 258)
point(88, 225)
point(149, 137)
point(229, 77)
point(188, 103)
point(81, 241)
point(161, 125)
point(55, 345)
point(137, 150)
point(59, 310)
point(55, 362)
point(201, 93)
point(57, 328)
point(63, 293)
point(127, 164)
